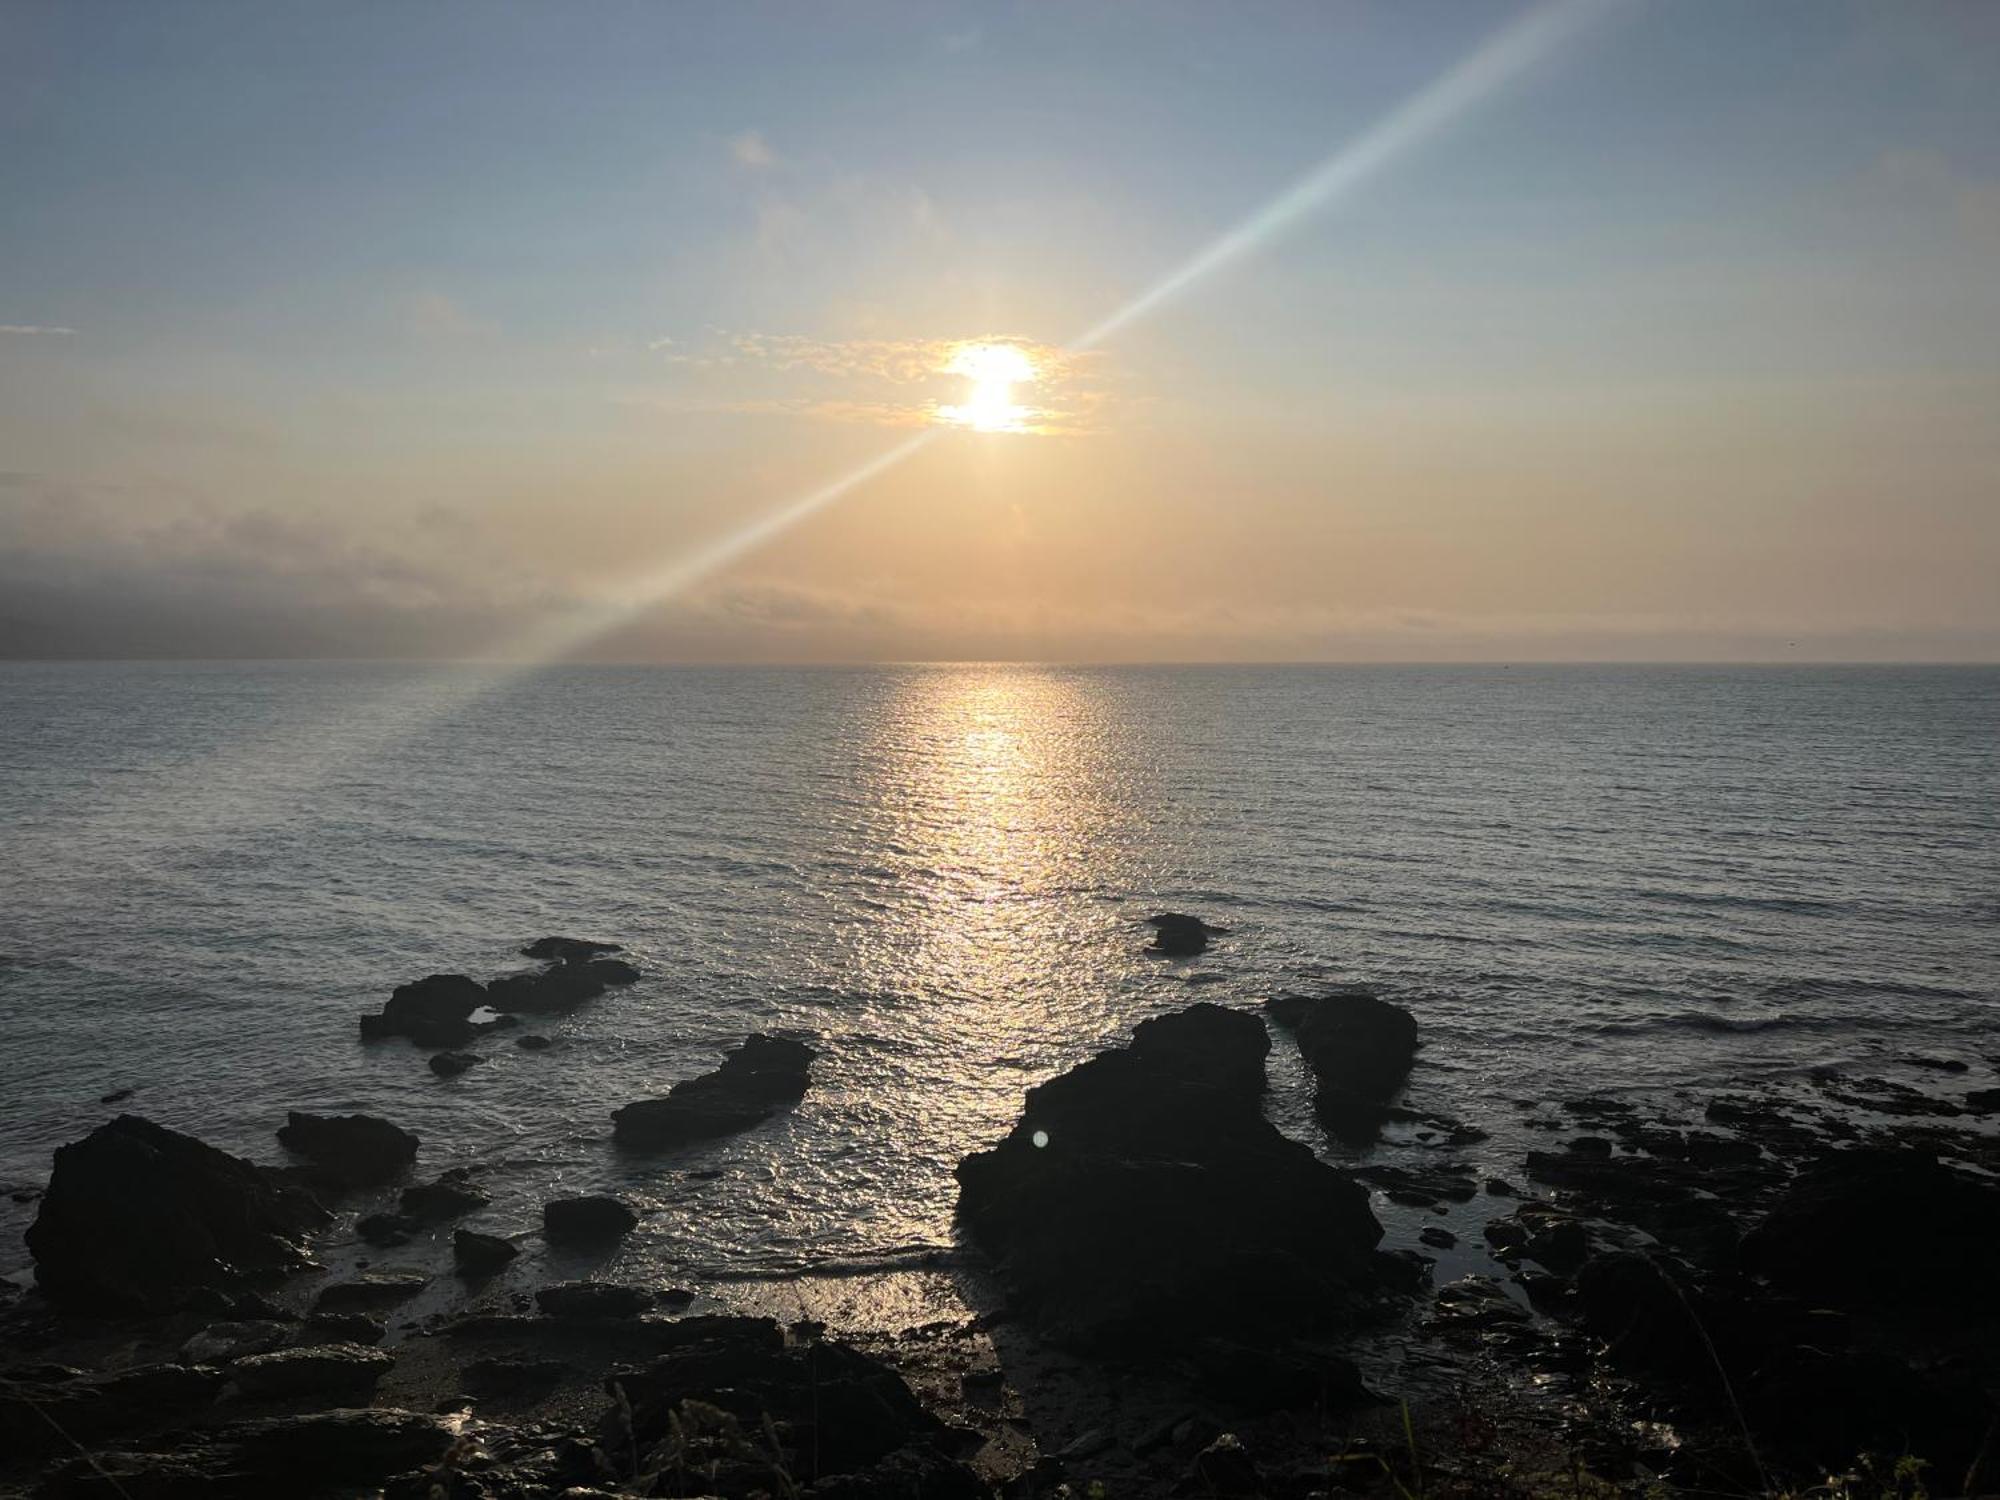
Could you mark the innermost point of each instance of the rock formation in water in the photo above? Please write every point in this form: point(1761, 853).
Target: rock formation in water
point(432, 1012)
point(1144, 1200)
point(139, 1218)
point(349, 1150)
point(1359, 1048)
point(1179, 935)
point(755, 1081)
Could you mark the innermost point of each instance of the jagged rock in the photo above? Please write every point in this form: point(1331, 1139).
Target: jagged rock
point(371, 1289)
point(349, 1149)
point(313, 1370)
point(450, 1196)
point(451, 1064)
point(432, 1012)
point(1874, 1227)
point(138, 1218)
point(480, 1254)
point(587, 1220)
point(219, 1343)
point(567, 950)
point(1360, 1049)
point(593, 1299)
point(755, 1080)
point(1144, 1199)
point(1179, 935)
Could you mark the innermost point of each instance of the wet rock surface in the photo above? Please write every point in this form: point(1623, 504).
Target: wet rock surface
point(1359, 1048)
point(587, 1221)
point(435, 1011)
point(1143, 1198)
point(349, 1150)
point(138, 1218)
point(755, 1081)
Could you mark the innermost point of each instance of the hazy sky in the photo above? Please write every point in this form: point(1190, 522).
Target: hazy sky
point(438, 329)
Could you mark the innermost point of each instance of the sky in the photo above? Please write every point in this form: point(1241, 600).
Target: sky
point(748, 332)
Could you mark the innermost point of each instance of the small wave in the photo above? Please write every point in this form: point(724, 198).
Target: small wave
point(1708, 1021)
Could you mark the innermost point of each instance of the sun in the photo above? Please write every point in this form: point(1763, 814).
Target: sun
point(993, 371)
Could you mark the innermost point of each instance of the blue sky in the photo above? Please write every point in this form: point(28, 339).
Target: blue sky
point(459, 294)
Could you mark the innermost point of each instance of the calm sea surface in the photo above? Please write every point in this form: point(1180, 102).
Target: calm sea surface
point(1579, 878)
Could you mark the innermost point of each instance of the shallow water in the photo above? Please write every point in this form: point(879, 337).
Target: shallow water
point(1580, 878)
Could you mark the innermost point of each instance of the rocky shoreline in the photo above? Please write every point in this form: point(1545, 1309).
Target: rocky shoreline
point(1162, 1292)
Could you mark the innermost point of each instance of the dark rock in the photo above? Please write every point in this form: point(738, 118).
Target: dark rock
point(567, 950)
point(343, 1328)
point(612, 971)
point(219, 1343)
point(349, 1149)
point(587, 1220)
point(385, 1230)
point(1225, 1467)
point(451, 1064)
point(918, 1472)
point(512, 1377)
point(1437, 1238)
point(533, 1042)
point(1983, 1101)
point(432, 1012)
point(554, 991)
point(1500, 1187)
point(449, 1197)
point(371, 1289)
point(1879, 1227)
point(593, 1299)
point(1181, 936)
point(1143, 1198)
point(315, 1370)
point(116, 1096)
point(343, 1446)
point(1816, 1402)
point(1360, 1049)
point(480, 1254)
point(138, 1218)
point(1255, 1378)
point(41, 1414)
point(755, 1080)
point(1648, 1312)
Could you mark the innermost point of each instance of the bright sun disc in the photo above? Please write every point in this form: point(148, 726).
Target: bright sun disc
point(993, 370)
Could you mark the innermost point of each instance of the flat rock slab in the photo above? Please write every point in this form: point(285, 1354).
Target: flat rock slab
point(755, 1081)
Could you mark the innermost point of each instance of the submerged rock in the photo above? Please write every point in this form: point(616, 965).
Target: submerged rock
point(1360, 1049)
point(435, 1011)
point(480, 1254)
point(451, 1064)
point(350, 1149)
point(1179, 935)
point(567, 949)
point(451, 1195)
point(1143, 1199)
point(587, 1220)
point(755, 1080)
point(139, 1219)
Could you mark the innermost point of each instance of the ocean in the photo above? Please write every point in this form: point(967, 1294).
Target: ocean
point(1613, 879)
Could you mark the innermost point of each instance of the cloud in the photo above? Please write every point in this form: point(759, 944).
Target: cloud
point(33, 330)
point(752, 151)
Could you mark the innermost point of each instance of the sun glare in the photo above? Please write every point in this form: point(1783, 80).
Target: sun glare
point(992, 371)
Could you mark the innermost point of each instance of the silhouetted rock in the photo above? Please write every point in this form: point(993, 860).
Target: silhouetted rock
point(451, 1064)
point(1360, 1050)
point(451, 1195)
point(1983, 1101)
point(349, 1149)
point(611, 971)
point(1143, 1199)
point(587, 1220)
point(593, 1299)
point(480, 1254)
point(385, 1231)
point(1874, 1227)
point(567, 950)
point(432, 1012)
point(533, 1042)
point(553, 991)
point(1179, 935)
point(755, 1080)
point(41, 1416)
point(319, 1370)
point(138, 1218)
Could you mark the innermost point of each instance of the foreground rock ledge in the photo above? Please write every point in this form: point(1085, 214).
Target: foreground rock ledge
point(142, 1219)
point(1144, 1201)
point(754, 1082)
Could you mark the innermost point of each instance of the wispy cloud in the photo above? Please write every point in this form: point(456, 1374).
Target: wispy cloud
point(752, 151)
point(38, 330)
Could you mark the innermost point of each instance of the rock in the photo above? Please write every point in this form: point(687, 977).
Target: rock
point(343, 1328)
point(1814, 1401)
point(451, 1064)
point(1179, 935)
point(612, 971)
point(553, 991)
point(533, 1042)
point(1890, 1227)
point(116, 1096)
point(385, 1230)
point(1360, 1049)
point(918, 1472)
point(1225, 1467)
point(140, 1219)
point(1983, 1101)
point(1258, 1379)
point(449, 1197)
point(567, 950)
point(43, 1413)
point(219, 1343)
point(593, 1299)
point(315, 1370)
point(349, 1149)
point(512, 1377)
point(480, 1254)
point(343, 1446)
point(1143, 1199)
point(432, 1012)
point(755, 1080)
point(371, 1289)
point(1436, 1237)
point(1647, 1312)
point(587, 1220)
